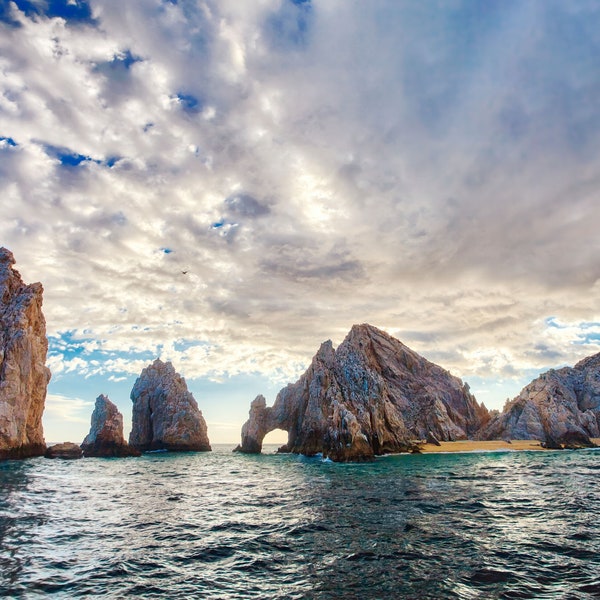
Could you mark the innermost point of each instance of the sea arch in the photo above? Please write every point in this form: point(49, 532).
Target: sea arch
point(262, 420)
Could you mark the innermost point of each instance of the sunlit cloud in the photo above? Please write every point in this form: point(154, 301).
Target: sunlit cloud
point(64, 408)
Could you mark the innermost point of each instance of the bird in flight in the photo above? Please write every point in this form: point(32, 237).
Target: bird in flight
point(184, 272)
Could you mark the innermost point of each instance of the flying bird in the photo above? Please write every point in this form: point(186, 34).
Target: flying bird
point(184, 272)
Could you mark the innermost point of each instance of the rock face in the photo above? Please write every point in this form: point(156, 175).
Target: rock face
point(560, 408)
point(165, 414)
point(23, 373)
point(66, 450)
point(106, 432)
point(371, 396)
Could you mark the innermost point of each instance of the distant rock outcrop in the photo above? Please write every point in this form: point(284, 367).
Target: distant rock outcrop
point(165, 414)
point(561, 408)
point(371, 396)
point(23, 373)
point(105, 438)
point(66, 450)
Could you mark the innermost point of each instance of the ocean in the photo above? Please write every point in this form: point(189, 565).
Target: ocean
point(220, 525)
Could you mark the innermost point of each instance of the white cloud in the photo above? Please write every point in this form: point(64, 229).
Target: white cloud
point(431, 171)
point(65, 408)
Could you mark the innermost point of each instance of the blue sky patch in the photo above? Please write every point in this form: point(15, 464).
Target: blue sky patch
point(185, 344)
point(71, 344)
point(8, 140)
point(553, 322)
point(119, 66)
point(111, 161)
point(189, 103)
point(78, 12)
point(586, 331)
point(588, 338)
point(127, 59)
point(71, 158)
point(67, 157)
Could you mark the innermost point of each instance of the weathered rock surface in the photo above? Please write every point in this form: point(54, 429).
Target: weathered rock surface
point(165, 414)
point(561, 408)
point(105, 438)
point(66, 450)
point(431, 439)
point(371, 396)
point(23, 373)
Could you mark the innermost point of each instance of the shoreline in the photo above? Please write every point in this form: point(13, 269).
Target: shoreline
point(487, 446)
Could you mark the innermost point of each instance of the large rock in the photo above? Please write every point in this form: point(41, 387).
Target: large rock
point(371, 396)
point(561, 408)
point(105, 438)
point(165, 414)
point(23, 373)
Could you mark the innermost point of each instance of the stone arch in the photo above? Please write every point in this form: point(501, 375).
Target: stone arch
point(261, 422)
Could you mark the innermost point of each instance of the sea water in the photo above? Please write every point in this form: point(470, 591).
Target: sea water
point(223, 525)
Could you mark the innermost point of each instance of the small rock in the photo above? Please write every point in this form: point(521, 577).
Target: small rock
point(105, 438)
point(431, 439)
point(66, 450)
point(574, 440)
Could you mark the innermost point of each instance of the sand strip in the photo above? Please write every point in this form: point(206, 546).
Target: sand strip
point(478, 446)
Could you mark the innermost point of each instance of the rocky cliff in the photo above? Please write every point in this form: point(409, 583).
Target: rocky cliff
point(106, 432)
point(371, 396)
point(165, 414)
point(561, 407)
point(23, 373)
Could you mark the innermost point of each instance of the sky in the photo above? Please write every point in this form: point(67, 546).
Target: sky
point(227, 184)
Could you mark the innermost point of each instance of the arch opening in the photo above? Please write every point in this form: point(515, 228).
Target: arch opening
point(275, 439)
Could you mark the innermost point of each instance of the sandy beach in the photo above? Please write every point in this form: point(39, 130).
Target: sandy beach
point(487, 446)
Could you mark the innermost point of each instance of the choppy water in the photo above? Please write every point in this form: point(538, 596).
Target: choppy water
point(223, 525)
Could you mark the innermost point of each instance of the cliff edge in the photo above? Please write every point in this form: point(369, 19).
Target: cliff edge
point(23, 373)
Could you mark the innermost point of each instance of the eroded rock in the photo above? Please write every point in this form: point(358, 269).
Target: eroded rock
point(371, 396)
point(66, 450)
point(431, 439)
point(165, 414)
point(561, 408)
point(105, 438)
point(23, 373)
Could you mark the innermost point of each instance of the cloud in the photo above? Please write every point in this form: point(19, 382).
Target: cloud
point(431, 170)
point(65, 408)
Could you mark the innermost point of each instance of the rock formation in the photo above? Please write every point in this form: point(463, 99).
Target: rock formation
point(23, 373)
point(431, 439)
point(165, 414)
point(106, 432)
point(560, 408)
point(371, 396)
point(66, 450)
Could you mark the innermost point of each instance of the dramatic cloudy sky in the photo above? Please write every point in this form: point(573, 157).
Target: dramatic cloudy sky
point(226, 184)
